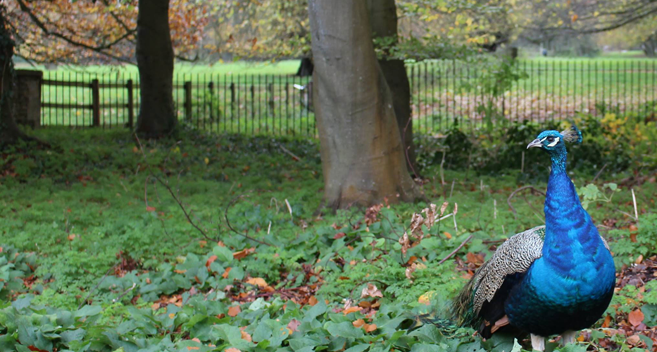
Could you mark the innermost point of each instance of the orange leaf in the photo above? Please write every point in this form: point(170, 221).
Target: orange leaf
point(257, 281)
point(71, 237)
point(33, 348)
point(232, 349)
point(607, 321)
point(243, 253)
point(210, 261)
point(635, 317)
point(448, 235)
point(150, 209)
point(246, 336)
point(225, 274)
point(234, 311)
point(358, 323)
point(180, 271)
point(369, 327)
point(339, 235)
point(351, 310)
point(312, 300)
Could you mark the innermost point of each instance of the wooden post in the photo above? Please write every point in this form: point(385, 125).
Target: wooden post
point(131, 104)
point(95, 102)
point(188, 100)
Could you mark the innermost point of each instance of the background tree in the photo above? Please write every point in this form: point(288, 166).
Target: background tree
point(155, 61)
point(9, 132)
point(361, 149)
point(383, 19)
point(114, 31)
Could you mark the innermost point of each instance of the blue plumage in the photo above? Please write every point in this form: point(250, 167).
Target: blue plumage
point(563, 285)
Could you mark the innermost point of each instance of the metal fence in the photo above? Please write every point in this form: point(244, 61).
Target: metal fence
point(443, 93)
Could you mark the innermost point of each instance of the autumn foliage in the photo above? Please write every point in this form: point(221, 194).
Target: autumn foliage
point(55, 31)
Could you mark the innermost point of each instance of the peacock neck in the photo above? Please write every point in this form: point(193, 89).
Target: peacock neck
point(559, 161)
point(570, 234)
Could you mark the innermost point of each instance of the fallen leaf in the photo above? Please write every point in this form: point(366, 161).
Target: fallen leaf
point(426, 298)
point(34, 348)
point(150, 209)
point(293, 325)
point(225, 274)
point(312, 300)
point(193, 348)
point(180, 271)
point(245, 335)
point(232, 349)
point(71, 237)
point(339, 235)
point(202, 243)
point(210, 261)
point(257, 281)
point(369, 327)
point(358, 323)
point(243, 253)
point(634, 340)
point(371, 291)
point(635, 317)
point(607, 321)
point(351, 310)
point(234, 311)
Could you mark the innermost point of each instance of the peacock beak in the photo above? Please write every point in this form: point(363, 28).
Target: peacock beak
point(536, 143)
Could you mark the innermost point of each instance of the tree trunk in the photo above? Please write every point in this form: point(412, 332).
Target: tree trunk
point(155, 62)
point(361, 149)
point(9, 131)
point(383, 20)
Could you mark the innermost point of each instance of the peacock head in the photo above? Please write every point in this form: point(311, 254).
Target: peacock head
point(554, 141)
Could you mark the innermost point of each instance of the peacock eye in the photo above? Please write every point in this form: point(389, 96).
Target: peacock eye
point(550, 139)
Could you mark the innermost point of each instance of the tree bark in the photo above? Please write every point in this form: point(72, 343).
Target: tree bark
point(9, 131)
point(383, 20)
point(155, 61)
point(361, 149)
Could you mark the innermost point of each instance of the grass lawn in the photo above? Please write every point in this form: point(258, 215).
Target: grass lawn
point(97, 253)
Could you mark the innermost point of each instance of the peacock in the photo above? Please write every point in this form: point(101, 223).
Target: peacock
point(554, 279)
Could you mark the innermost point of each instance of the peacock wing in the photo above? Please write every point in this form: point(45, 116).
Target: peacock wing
point(514, 256)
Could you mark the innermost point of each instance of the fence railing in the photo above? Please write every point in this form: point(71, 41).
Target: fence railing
point(443, 93)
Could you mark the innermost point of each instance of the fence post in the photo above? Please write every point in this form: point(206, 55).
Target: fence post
point(188, 100)
point(270, 102)
point(131, 103)
point(211, 89)
point(95, 102)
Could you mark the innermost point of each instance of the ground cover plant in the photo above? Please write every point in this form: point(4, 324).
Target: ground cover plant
point(220, 243)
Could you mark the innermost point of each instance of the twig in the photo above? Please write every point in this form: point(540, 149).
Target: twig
point(443, 218)
point(235, 231)
point(97, 285)
point(456, 250)
point(289, 208)
point(494, 209)
point(452, 190)
point(599, 172)
point(134, 284)
point(508, 200)
point(296, 158)
point(522, 163)
point(442, 174)
point(636, 213)
point(182, 207)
